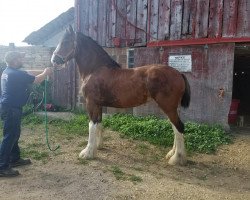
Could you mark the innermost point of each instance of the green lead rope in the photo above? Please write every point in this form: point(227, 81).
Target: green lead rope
point(46, 117)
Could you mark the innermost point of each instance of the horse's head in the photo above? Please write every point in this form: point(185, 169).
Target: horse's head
point(65, 50)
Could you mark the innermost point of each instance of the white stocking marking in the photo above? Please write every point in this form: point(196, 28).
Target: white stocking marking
point(172, 151)
point(99, 139)
point(179, 156)
point(91, 149)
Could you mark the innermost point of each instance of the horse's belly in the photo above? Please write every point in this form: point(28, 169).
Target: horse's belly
point(125, 99)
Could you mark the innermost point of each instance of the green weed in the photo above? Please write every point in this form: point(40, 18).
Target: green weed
point(35, 154)
point(135, 178)
point(118, 173)
point(200, 138)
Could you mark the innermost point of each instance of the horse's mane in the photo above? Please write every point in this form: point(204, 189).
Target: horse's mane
point(84, 41)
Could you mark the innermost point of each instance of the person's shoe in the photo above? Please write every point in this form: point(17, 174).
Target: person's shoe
point(9, 172)
point(20, 162)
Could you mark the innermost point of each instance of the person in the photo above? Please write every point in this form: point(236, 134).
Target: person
point(14, 94)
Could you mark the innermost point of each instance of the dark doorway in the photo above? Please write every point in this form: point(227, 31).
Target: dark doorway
point(241, 81)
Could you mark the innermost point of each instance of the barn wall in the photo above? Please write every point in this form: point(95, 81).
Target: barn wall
point(128, 23)
point(212, 72)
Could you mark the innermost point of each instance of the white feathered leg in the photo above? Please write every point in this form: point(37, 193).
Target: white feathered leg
point(91, 148)
point(99, 139)
point(172, 151)
point(179, 157)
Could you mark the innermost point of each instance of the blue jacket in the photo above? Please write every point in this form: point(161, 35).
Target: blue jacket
point(14, 87)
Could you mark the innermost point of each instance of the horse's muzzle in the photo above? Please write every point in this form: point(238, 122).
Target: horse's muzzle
point(57, 60)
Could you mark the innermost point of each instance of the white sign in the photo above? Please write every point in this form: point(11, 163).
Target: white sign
point(182, 63)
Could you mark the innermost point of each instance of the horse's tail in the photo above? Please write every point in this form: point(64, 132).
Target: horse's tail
point(185, 101)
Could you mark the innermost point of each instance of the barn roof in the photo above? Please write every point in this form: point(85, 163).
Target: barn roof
point(50, 29)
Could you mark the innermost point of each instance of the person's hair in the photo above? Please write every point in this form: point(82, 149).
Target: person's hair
point(12, 56)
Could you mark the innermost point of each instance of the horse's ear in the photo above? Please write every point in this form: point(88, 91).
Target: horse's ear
point(70, 29)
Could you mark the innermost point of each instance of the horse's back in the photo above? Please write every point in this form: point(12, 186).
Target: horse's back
point(161, 73)
point(157, 69)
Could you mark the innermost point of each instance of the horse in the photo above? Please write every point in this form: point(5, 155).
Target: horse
point(105, 83)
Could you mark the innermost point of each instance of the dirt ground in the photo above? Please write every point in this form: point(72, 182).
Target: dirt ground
point(145, 173)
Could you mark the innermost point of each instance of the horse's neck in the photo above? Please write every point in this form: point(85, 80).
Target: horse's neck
point(88, 65)
point(92, 63)
point(92, 57)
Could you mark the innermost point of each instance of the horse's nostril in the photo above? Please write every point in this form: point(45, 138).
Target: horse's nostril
point(56, 59)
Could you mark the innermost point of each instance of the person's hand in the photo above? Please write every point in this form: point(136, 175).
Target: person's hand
point(48, 71)
point(40, 77)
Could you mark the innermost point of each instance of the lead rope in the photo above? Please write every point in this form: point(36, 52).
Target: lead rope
point(46, 117)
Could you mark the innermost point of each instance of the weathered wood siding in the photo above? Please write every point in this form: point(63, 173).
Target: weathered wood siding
point(212, 70)
point(64, 86)
point(136, 22)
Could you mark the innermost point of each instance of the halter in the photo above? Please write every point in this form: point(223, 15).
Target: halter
point(71, 53)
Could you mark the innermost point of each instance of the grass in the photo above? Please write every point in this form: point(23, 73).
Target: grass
point(201, 138)
point(135, 178)
point(35, 154)
point(120, 175)
point(76, 126)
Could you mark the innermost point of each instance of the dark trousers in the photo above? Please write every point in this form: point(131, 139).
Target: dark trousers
point(9, 149)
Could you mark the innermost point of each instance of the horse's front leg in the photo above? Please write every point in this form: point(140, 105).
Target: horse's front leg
point(99, 138)
point(95, 135)
point(91, 148)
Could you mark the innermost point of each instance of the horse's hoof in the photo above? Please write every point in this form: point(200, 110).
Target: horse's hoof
point(86, 154)
point(170, 154)
point(177, 160)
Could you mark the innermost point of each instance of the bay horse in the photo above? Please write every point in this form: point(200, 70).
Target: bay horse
point(105, 83)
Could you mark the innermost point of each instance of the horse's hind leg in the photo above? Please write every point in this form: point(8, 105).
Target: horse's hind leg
point(177, 155)
point(178, 152)
point(172, 151)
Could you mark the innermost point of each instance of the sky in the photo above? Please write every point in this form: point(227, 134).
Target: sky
point(19, 18)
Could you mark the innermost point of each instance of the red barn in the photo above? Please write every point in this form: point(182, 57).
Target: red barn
point(208, 40)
